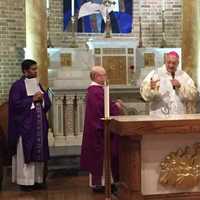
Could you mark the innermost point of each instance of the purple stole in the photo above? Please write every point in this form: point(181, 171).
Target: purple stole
point(38, 148)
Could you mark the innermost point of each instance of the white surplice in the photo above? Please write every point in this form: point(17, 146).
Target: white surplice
point(26, 174)
point(165, 100)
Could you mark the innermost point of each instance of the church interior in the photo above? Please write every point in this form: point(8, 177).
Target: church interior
point(129, 42)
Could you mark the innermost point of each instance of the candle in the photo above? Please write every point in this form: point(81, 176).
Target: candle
point(47, 4)
point(72, 2)
point(106, 101)
point(163, 5)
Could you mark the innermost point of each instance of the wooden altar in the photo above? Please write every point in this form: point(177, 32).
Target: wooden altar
point(132, 130)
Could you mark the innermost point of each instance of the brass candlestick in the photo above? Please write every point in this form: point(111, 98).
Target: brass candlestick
point(163, 42)
point(140, 33)
point(107, 26)
point(107, 158)
point(73, 42)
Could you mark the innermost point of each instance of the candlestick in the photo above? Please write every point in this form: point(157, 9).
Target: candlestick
point(73, 42)
point(72, 2)
point(163, 42)
point(140, 33)
point(106, 100)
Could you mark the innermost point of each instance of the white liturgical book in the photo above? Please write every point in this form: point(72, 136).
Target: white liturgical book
point(32, 86)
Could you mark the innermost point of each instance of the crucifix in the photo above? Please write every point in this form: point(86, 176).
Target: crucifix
point(108, 4)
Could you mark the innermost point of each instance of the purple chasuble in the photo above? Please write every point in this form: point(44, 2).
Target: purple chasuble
point(92, 152)
point(30, 124)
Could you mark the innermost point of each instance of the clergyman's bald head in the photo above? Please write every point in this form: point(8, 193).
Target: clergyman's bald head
point(98, 74)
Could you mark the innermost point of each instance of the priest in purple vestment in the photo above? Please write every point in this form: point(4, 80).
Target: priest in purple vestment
point(92, 152)
point(28, 128)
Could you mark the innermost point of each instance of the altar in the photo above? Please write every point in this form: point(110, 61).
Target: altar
point(69, 68)
point(159, 157)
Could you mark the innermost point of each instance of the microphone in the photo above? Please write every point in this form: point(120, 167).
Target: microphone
point(173, 76)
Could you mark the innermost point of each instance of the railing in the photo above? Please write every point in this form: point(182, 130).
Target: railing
point(68, 110)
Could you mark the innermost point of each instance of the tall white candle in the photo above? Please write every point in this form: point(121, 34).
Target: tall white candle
point(72, 7)
point(47, 4)
point(106, 101)
point(163, 5)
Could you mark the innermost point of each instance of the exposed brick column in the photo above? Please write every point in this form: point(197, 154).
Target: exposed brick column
point(190, 39)
point(36, 36)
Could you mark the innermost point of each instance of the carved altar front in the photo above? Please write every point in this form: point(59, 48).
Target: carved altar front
point(145, 144)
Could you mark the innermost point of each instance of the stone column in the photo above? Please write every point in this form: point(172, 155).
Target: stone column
point(69, 116)
point(36, 37)
point(190, 39)
point(80, 113)
point(58, 121)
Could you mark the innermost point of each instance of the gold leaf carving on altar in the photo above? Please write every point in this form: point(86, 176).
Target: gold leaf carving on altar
point(149, 59)
point(66, 59)
point(181, 169)
point(115, 67)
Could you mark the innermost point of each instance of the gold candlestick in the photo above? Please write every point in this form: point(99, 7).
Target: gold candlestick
point(140, 33)
point(107, 158)
point(73, 42)
point(163, 42)
point(107, 145)
point(107, 26)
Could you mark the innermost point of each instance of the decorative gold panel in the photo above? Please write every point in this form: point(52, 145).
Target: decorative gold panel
point(149, 59)
point(115, 67)
point(130, 51)
point(65, 59)
point(181, 169)
point(115, 51)
point(97, 51)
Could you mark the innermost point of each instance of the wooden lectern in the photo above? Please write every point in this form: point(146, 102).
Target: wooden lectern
point(131, 130)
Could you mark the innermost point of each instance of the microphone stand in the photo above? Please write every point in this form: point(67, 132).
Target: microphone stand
point(173, 76)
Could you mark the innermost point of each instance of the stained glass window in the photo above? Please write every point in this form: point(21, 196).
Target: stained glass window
point(121, 16)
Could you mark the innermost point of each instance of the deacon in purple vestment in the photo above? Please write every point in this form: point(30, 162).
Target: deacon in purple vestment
point(92, 153)
point(28, 125)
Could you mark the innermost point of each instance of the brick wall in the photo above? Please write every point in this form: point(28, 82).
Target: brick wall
point(12, 32)
point(12, 40)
